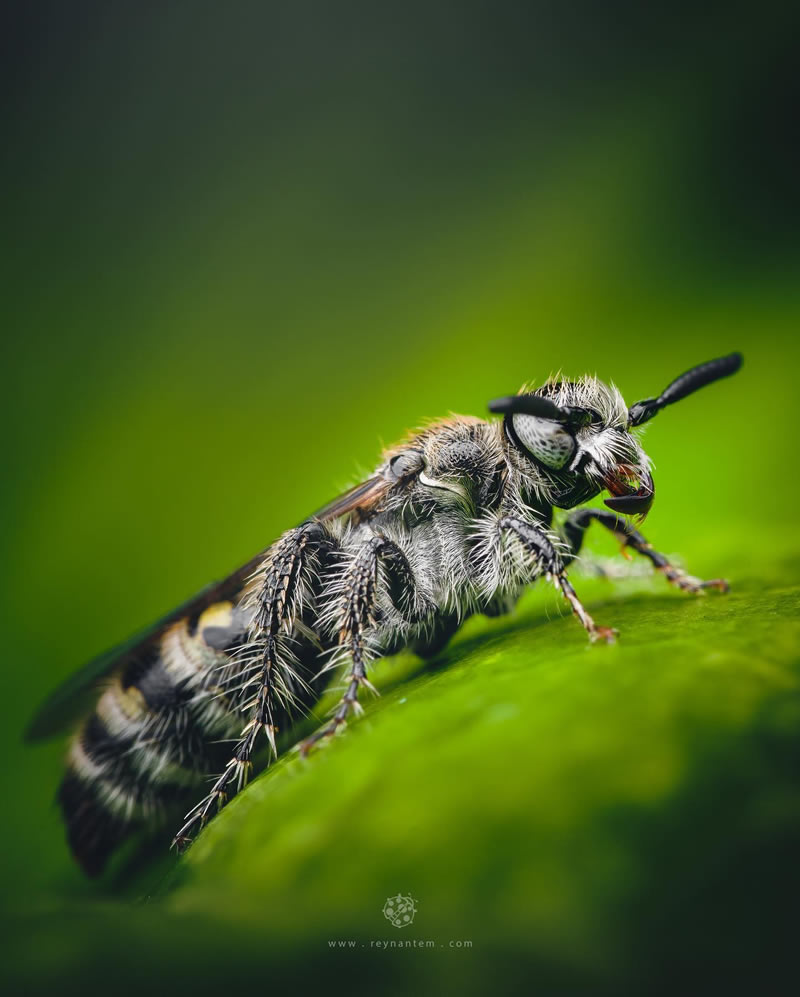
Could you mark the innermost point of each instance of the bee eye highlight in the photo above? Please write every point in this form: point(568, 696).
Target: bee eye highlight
point(548, 442)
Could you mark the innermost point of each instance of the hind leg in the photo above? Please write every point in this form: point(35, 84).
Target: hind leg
point(289, 577)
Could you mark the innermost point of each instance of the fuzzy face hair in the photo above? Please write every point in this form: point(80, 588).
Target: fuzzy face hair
point(567, 464)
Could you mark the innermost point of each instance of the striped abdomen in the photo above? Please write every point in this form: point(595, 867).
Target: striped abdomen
point(154, 733)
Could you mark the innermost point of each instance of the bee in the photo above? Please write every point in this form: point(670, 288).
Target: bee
point(457, 519)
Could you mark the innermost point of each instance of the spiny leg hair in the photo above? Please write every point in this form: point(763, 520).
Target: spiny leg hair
point(277, 602)
point(359, 591)
point(541, 550)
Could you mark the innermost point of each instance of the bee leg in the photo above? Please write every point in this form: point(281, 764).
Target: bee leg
point(541, 550)
point(286, 573)
point(577, 524)
point(358, 616)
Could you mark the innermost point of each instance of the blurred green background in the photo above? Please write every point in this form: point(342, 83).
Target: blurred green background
point(246, 244)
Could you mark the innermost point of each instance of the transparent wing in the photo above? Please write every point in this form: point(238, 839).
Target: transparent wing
point(363, 498)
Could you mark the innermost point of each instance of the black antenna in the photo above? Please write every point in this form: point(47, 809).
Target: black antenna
point(536, 405)
point(686, 384)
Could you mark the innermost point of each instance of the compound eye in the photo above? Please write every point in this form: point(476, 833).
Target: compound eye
point(547, 441)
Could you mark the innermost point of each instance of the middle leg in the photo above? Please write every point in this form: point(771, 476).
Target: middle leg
point(357, 616)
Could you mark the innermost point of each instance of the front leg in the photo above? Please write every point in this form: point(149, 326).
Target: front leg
point(575, 530)
point(540, 549)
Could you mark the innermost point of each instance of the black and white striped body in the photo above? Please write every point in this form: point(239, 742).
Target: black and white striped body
point(152, 736)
